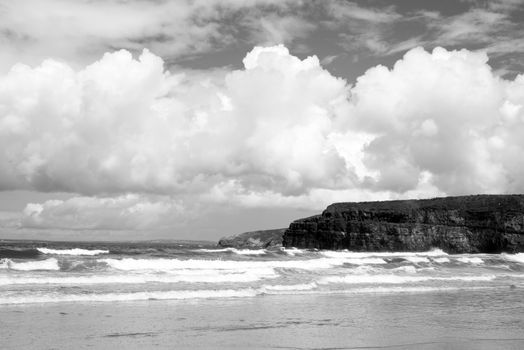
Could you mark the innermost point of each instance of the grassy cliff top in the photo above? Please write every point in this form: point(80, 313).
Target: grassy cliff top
point(475, 203)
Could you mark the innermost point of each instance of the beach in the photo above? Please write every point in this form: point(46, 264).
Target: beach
point(481, 319)
point(187, 296)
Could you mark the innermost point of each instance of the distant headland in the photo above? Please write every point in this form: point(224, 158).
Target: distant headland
point(464, 224)
point(254, 240)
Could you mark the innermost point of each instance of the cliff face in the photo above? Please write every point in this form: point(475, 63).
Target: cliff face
point(469, 224)
point(254, 239)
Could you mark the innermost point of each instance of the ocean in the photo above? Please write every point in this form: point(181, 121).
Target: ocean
point(170, 295)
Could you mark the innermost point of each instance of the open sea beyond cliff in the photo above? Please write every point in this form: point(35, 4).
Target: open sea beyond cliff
point(193, 295)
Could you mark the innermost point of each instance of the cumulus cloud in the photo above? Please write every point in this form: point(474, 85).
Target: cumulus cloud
point(124, 125)
point(116, 213)
point(282, 132)
point(444, 113)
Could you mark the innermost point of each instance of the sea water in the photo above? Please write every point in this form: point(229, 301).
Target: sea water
point(192, 295)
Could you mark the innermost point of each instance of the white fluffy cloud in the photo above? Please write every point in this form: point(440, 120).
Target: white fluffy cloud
point(122, 212)
point(123, 125)
point(280, 132)
point(444, 114)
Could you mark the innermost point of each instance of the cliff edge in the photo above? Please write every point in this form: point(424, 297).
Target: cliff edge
point(466, 224)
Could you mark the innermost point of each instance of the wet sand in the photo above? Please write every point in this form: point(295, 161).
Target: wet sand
point(474, 319)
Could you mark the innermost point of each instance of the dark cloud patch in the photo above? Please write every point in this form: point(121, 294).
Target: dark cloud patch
point(210, 34)
point(230, 57)
point(445, 7)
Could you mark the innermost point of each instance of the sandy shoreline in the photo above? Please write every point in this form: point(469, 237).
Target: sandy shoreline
point(451, 320)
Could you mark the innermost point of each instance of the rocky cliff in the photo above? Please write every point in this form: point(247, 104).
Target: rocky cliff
point(254, 239)
point(468, 224)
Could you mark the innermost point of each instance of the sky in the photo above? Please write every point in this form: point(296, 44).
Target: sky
point(134, 119)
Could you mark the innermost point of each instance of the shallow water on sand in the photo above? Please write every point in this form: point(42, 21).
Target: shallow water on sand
point(474, 319)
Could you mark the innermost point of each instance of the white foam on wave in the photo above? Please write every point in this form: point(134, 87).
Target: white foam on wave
point(396, 279)
point(4, 264)
point(277, 289)
point(406, 269)
point(365, 261)
point(210, 277)
point(519, 257)
point(74, 251)
point(409, 290)
point(359, 255)
point(440, 260)
point(131, 264)
point(391, 290)
point(48, 264)
point(249, 251)
point(218, 250)
point(341, 254)
point(136, 296)
point(236, 251)
point(470, 260)
point(27, 298)
point(433, 252)
point(293, 251)
point(362, 269)
point(417, 259)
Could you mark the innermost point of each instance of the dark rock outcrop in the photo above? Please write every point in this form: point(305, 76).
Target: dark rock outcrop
point(468, 224)
point(254, 239)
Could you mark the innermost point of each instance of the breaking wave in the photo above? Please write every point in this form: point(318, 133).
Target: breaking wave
point(209, 277)
point(71, 274)
point(293, 251)
point(235, 251)
point(215, 294)
point(74, 251)
point(288, 288)
point(136, 296)
point(50, 264)
point(406, 269)
point(349, 254)
point(519, 257)
point(365, 261)
point(395, 279)
point(470, 260)
point(130, 264)
point(417, 259)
